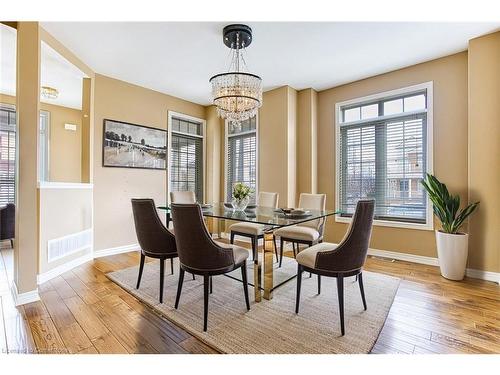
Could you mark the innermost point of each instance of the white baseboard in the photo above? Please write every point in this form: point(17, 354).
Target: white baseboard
point(430, 261)
point(116, 250)
point(56, 271)
point(23, 298)
point(483, 275)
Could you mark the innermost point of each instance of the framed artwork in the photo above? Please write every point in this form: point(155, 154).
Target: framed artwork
point(127, 145)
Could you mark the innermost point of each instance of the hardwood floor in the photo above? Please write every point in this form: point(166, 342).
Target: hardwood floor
point(82, 311)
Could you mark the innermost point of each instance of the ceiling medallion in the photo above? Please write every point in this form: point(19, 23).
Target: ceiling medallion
point(48, 92)
point(237, 93)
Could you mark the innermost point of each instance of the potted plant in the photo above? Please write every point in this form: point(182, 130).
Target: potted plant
point(452, 245)
point(241, 196)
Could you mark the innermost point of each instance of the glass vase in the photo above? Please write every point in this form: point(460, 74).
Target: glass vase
point(240, 204)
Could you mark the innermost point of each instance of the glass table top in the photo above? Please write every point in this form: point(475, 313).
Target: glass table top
point(260, 215)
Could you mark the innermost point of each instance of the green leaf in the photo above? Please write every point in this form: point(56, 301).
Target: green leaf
point(446, 206)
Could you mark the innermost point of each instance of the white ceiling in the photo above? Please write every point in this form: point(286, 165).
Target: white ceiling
point(178, 58)
point(55, 72)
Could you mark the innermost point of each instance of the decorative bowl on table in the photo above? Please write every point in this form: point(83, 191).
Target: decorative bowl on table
point(251, 207)
point(228, 205)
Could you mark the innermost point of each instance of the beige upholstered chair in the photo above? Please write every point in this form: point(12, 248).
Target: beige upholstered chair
point(182, 197)
point(308, 233)
point(253, 230)
point(342, 260)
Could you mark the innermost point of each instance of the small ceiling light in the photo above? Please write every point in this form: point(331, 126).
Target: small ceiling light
point(237, 94)
point(48, 92)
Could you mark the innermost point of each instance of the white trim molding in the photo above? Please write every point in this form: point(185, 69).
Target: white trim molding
point(23, 298)
point(116, 250)
point(431, 261)
point(428, 88)
point(59, 270)
point(63, 185)
point(226, 146)
point(203, 137)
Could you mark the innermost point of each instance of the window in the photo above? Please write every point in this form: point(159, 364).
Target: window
point(384, 147)
point(241, 157)
point(186, 156)
point(7, 154)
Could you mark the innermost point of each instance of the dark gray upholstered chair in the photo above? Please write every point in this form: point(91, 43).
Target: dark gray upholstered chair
point(8, 223)
point(200, 255)
point(255, 231)
point(342, 260)
point(155, 240)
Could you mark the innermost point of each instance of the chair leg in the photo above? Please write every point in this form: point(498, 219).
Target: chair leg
point(340, 290)
point(179, 287)
point(194, 278)
point(162, 277)
point(275, 248)
point(232, 238)
point(294, 251)
point(171, 266)
point(141, 268)
point(205, 301)
point(362, 289)
point(356, 277)
point(211, 285)
point(281, 251)
point(12, 243)
point(299, 284)
point(254, 247)
point(245, 283)
point(319, 284)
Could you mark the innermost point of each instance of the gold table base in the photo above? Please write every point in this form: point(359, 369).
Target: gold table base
point(266, 282)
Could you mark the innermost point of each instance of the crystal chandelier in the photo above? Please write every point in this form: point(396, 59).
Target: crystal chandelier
point(49, 92)
point(237, 93)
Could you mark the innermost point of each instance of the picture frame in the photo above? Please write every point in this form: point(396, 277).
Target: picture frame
point(128, 145)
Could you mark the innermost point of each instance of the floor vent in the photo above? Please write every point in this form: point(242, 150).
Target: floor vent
point(58, 248)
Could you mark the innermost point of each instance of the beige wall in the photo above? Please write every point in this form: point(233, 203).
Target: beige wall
point(86, 130)
point(28, 107)
point(215, 156)
point(57, 221)
point(114, 187)
point(484, 151)
point(64, 145)
point(277, 144)
point(307, 141)
point(292, 147)
point(449, 75)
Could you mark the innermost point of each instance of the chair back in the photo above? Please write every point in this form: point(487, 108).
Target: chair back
point(350, 254)
point(182, 197)
point(195, 246)
point(152, 235)
point(313, 202)
point(268, 199)
point(7, 221)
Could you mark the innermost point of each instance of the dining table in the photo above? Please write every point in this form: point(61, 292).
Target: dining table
point(271, 219)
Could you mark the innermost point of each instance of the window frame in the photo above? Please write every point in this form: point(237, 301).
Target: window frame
point(203, 122)
point(226, 146)
point(387, 95)
point(44, 148)
point(12, 108)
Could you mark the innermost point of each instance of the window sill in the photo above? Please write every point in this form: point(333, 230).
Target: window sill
point(393, 224)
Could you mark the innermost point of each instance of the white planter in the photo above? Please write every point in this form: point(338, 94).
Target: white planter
point(452, 253)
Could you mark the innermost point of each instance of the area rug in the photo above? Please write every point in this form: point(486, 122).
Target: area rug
point(270, 326)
